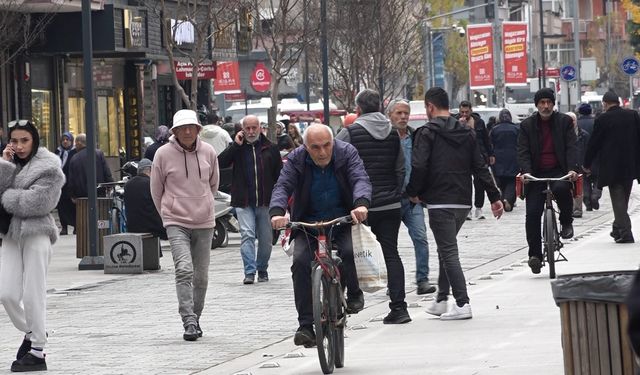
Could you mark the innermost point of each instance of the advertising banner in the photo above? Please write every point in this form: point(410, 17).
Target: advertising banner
point(227, 78)
point(480, 44)
point(514, 45)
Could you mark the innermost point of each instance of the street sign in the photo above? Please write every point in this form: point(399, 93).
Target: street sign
point(568, 73)
point(630, 66)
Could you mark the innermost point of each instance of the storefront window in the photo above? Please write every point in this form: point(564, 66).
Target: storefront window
point(41, 112)
point(108, 132)
point(76, 115)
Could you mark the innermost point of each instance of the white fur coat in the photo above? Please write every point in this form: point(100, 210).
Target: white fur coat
point(30, 193)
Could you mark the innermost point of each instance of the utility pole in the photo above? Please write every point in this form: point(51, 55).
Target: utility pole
point(325, 59)
point(497, 55)
point(543, 69)
point(576, 49)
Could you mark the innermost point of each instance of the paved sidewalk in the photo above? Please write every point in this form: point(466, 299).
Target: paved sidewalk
point(106, 324)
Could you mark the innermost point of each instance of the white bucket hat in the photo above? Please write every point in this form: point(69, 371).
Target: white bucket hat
point(185, 117)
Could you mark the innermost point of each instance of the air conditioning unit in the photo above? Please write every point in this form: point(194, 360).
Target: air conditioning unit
point(583, 26)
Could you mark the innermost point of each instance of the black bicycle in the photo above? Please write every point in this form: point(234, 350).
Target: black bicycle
point(550, 234)
point(329, 303)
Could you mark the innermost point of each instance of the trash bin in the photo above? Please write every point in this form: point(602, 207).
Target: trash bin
point(594, 322)
point(82, 222)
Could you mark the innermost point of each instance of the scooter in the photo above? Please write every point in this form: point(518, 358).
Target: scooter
point(225, 221)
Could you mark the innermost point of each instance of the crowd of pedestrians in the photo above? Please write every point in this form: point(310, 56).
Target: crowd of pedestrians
point(377, 169)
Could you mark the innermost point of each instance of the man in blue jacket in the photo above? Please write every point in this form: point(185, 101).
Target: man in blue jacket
point(333, 174)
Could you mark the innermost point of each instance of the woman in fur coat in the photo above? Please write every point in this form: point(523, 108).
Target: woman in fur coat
point(30, 183)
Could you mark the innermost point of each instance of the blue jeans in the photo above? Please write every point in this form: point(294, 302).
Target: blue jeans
point(413, 218)
point(255, 223)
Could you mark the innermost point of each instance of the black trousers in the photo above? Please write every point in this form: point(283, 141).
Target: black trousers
point(535, 199)
point(386, 225)
point(507, 185)
point(66, 209)
point(620, 193)
point(303, 255)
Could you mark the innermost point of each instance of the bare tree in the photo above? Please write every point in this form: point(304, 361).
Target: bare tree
point(188, 28)
point(374, 44)
point(20, 29)
point(280, 33)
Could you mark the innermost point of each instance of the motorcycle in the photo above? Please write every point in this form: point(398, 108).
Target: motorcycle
point(225, 221)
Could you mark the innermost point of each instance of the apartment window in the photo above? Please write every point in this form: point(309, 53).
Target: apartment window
point(568, 9)
point(561, 54)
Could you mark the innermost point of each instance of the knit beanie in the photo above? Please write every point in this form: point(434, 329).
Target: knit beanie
point(585, 109)
point(544, 93)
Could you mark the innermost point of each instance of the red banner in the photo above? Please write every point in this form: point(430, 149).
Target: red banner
point(480, 44)
point(227, 78)
point(184, 70)
point(514, 45)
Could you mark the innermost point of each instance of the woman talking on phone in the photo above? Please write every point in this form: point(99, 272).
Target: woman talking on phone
point(30, 183)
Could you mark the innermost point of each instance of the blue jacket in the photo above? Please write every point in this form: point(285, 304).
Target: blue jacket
point(296, 175)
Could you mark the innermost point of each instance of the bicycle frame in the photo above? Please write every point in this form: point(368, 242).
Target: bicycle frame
point(553, 244)
point(329, 303)
point(117, 218)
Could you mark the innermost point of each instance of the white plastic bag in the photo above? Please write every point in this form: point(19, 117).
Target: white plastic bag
point(284, 242)
point(369, 260)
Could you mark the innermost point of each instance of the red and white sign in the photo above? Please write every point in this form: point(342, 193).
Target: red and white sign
point(514, 45)
point(234, 97)
point(184, 70)
point(227, 78)
point(480, 44)
point(261, 78)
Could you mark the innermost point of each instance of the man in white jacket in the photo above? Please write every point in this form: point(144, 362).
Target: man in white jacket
point(184, 180)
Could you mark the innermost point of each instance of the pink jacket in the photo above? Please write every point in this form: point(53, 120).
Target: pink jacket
point(183, 184)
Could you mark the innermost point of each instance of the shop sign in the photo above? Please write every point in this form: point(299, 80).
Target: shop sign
point(234, 97)
point(261, 78)
point(135, 32)
point(227, 78)
point(184, 70)
point(480, 44)
point(103, 75)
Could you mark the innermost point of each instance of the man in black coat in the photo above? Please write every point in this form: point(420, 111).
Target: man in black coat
point(142, 216)
point(504, 139)
point(546, 149)
point(77, 169)
point(591, 191)
point(616, 142)
point(473, 121)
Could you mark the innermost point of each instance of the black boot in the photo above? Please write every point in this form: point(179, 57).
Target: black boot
point(29, 362)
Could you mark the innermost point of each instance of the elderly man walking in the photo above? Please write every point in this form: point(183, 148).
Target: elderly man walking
point(256, 166)
point(184, 180)
point(379, 147)
point(412, 214)
point(616, 142)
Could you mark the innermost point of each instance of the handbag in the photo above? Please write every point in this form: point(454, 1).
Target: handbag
point(5, 220)
point(369, 260)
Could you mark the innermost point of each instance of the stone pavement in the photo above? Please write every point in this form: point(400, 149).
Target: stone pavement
point(106, 324)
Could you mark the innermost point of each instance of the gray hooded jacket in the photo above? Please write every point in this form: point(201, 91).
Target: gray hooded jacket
point(379, 148)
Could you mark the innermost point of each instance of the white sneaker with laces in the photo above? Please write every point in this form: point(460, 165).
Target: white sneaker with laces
point(457, 313)
point(479, 214)
point(438, 308)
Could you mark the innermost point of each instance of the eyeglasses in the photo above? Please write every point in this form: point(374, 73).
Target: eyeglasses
point(18, 123)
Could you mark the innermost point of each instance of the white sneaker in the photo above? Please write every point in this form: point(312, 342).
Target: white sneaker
point(457, 313)
point(437, 308)
point(478, 213)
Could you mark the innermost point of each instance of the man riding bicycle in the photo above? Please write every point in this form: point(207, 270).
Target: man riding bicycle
point(547, 149)
point(327, 179)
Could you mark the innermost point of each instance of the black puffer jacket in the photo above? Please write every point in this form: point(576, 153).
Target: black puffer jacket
point(379, 148)
point(445, 156)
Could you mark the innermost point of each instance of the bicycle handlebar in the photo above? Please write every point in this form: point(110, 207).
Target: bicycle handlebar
point(338, 221)
point(111, 184)
point(528, 177)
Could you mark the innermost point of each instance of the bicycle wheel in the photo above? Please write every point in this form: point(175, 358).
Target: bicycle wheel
point(325, 333)
point(550, 240)
point(341, 323)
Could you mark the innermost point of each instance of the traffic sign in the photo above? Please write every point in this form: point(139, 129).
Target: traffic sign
point(568, 73)
point(630, 66)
